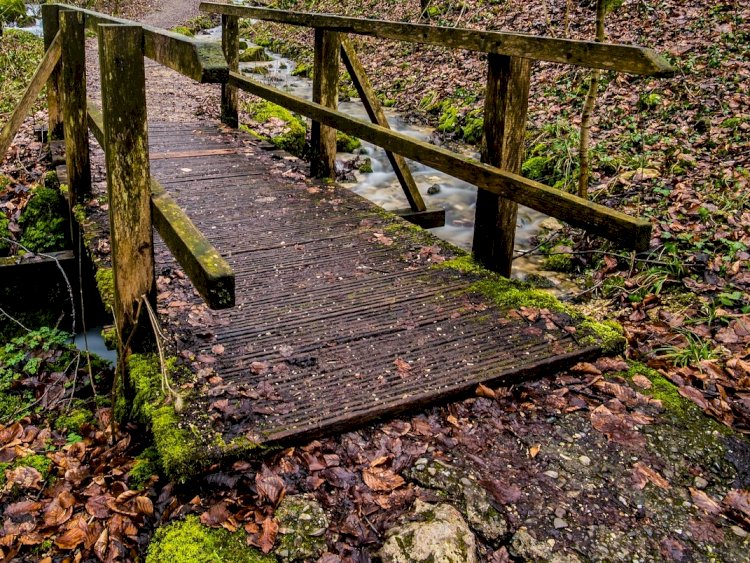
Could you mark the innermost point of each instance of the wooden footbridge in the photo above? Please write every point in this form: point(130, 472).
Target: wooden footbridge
point(326, 311)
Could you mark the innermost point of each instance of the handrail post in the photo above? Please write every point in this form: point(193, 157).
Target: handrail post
point(51, 24)
point(505, 108)
point(73, 97)
point(128, 176)
point(230, 44)
point(325, 92)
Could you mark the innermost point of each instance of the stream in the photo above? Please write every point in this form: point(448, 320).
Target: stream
point(458, 198)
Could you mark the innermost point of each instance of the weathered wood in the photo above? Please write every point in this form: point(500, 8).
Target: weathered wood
point(73, 95)
point(41, 76)
point(505, 106)
point(128, 174)
point(622, 58)
point(211, 275)
point(428, 219)
point(230, 44)
point(202, 61)
point(51, 24)
point(95, 122)
point(597, 219)
point(375, 112)
point(326, 93)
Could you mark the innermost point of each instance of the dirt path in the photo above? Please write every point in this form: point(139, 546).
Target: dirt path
point(172, 12)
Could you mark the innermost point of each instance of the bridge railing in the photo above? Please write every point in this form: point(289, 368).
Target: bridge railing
point(137, 202)
point(509, 61)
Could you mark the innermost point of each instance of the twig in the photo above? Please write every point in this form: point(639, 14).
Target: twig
point(14, 320)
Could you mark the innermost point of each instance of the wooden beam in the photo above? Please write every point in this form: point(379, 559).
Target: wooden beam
point(427, 219)
point(202, 61)
point(73, 96)
point(230, 44)
point(128, 176)
point(41, 76)
point(505, 105)
point(375, 112)
point(51, 25)
point(608, 56)
point(598, 219)
point(325, 92)
point(210, 273)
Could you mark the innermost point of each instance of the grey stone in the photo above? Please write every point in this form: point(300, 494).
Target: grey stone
point(430, 533)
point(433, 189)
point(469, 497)
point(524, 545)
point(560, 523)
point(302, 526)
point(700, 483)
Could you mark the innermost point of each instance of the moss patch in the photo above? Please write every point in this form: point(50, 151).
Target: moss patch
point(43, 222)
point(346, 143)
point(188, 541)
point(253, 55)
point(74, 420)
point(105, 283)
point(294, 133)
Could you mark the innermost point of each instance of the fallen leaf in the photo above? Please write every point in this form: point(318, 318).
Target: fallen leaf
point(694, 395)
point(269, 485)
point(739, 501)
point(23, 477)
point(642, 381)
point(642, 474)
point(704, 502)
point(402, 367)
point(616, 427)
point(379, 479)
point(502, 492)
point(534, 450)
point(269, 530)
point(216, 515)
point(484, 391)
point(96, 506)
point(71, 538)
point(144, 505)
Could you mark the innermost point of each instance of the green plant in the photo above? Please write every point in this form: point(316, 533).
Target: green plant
point(695, 350)
point(43, 222)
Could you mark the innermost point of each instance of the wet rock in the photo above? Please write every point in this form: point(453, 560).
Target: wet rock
point(471, 499)
point(551, 224)
point(433, 189)
point(431, 533)
point(302, 526)
point(254, 54)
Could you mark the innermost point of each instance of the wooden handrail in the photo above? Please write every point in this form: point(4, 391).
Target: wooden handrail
point(613, 225)
point(608, 56)
point(202, 61)
point(42, 74)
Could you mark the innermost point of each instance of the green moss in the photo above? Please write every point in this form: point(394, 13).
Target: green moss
point(366, 166)
point(183, 30)
point(109, 335)
point(559, 261)
point(188, 541)
point(346, 143)
point(144, 373)
point(293, 138)
point(254, 55)
point(448, 120)
point(74, 420)
point(146, 466)
point(608, 333)
point(39, 462)
point(303, 70)
point(4, 234)
point(105, 283)
point(43, 221)
point(473, 129)
point(536, 168)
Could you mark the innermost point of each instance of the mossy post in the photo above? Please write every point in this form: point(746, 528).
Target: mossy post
point(230, 44)
point(326, 93)
point(51, 23)
point(505, 108)
point(128, 175)
point(73, 97)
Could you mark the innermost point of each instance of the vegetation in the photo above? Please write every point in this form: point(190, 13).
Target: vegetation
point(20, 53)
point(43, 223)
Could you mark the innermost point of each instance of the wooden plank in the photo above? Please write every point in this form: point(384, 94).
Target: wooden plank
point(128, 176)
point(627, 231)
point(375, 112)
point(41, 76)
point(505, 105)
point(211, 275)
point(190, 154)
point(95, 122)
point(230, 44)
point(427, 219)
point(202, 61)
point(608, 56)
point(51, 25)
point(326, 93)
point(73, 96)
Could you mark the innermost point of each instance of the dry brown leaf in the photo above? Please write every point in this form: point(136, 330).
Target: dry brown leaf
point(97, 506)
point(71, 538)
point(379, 479)
point(586, 367)
point(216, 515)
point(144, 505)
point(617, 427)
point(269, 485)
point(22, 508)
point(402, 367)
point(642, 474)
point(269, 530)
point(534, 450)
point(642, 381)
point(484, 391)
point(739, 501)
point(23, 477)
point(694, 395)
point(55, 515)
point(704, 502)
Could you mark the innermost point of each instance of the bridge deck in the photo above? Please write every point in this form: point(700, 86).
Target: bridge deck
point(341, 316)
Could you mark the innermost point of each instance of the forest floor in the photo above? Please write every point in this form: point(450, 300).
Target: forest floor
point(639, 457)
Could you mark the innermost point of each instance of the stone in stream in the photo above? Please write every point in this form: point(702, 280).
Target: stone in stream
point(431, 532)
point(470, 498)
point(302, 526)
point(254, 55)
point(433, 189)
